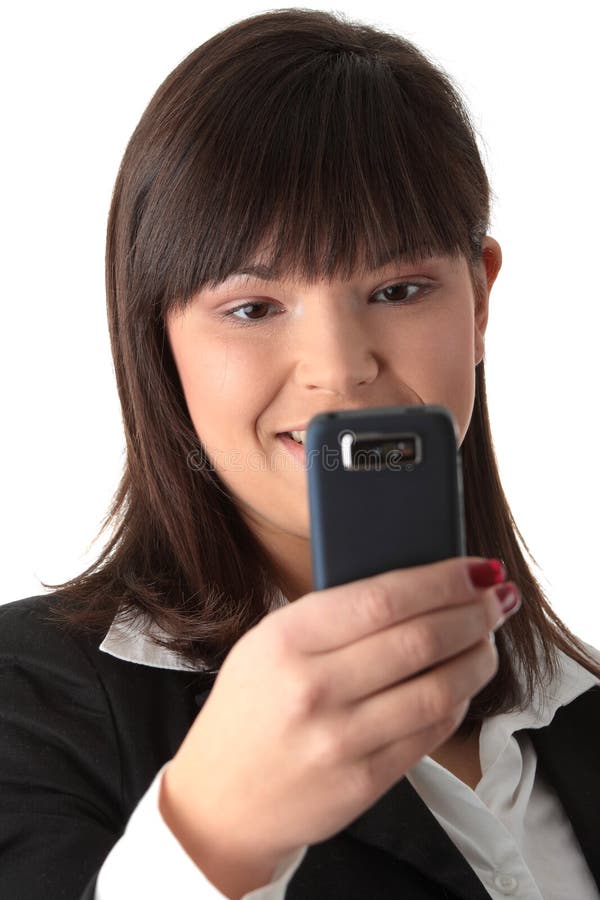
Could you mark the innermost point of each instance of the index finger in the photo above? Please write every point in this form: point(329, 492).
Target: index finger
point(325, 620)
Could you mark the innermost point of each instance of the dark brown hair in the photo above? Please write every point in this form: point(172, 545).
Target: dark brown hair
point(335, 147)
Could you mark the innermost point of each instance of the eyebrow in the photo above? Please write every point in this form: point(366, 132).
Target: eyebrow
point(265, 273)
point(257, 271)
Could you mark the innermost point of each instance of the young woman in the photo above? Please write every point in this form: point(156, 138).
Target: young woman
point(299, 224)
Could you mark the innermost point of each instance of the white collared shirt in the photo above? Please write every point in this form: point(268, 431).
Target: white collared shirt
point(512, 829)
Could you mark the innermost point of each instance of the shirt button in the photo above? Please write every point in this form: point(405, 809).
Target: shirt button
point(506, 883)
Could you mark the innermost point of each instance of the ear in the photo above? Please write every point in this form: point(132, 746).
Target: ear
point(489, 267)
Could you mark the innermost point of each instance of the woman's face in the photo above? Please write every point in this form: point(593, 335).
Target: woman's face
point(406, 334)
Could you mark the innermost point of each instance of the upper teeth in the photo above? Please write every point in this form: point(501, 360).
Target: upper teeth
point(298, 436)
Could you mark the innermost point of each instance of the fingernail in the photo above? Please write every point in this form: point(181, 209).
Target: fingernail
point(487, 573)
point(509, 597)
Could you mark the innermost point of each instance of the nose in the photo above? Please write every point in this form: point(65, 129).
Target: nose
point(333, 348)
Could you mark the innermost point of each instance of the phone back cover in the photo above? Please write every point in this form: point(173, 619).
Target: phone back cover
point(367, 522)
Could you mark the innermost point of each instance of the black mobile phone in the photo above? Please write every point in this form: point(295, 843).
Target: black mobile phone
point(385, 491)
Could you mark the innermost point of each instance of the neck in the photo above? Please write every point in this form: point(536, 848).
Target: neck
point(289, 554)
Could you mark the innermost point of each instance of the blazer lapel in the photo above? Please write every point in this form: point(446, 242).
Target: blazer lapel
point(568, 751)
point(400, 823)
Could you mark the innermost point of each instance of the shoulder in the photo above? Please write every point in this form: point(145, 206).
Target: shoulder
point(27, 632)
point(56, 681)
point(15, 614)
point(20, 614)
point(30, 638)
point(58, 733)
point(586, 702)
point(46, 672)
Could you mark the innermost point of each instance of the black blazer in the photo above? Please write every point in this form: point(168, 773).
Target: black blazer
point(82, 735)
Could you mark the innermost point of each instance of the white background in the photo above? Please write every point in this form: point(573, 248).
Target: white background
point(75, 81)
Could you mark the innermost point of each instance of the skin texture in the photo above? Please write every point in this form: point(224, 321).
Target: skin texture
point(313, 347)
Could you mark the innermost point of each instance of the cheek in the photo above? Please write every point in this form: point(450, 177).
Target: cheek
point(223, 387)
point(445, 371)
point(461, 403)
point(458, 389)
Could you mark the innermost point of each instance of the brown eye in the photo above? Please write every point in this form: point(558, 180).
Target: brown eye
point(253, 306)
point(242, 320)
point(398, 293)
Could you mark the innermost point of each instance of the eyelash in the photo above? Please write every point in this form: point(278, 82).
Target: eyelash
point(235, 321)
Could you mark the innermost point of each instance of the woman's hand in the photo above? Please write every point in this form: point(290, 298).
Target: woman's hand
point(319, 709)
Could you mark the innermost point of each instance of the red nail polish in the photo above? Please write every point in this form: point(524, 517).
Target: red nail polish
point(509, 597)
point(487, 573)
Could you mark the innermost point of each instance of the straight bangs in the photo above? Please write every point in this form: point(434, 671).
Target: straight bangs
point(314, 163)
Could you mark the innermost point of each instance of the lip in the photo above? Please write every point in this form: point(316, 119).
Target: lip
point(349, 409)
point(296, 450)
point(293, 428)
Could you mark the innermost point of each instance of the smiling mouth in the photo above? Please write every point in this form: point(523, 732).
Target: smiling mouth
point(293, 448)
point(288, 434)
point(287, 437)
